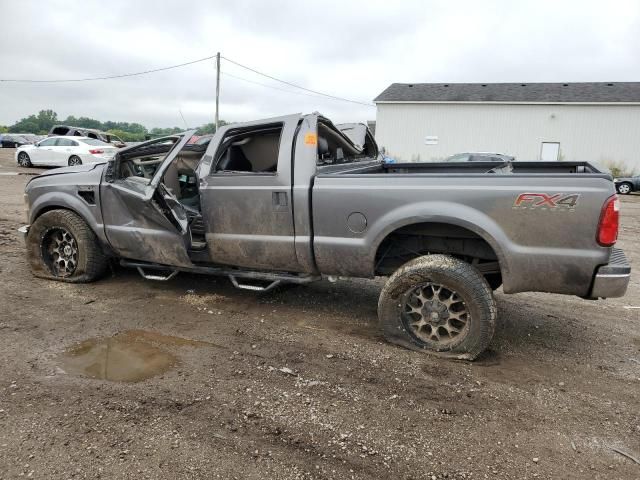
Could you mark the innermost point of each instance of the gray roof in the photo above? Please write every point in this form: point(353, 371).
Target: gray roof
point(512, 92)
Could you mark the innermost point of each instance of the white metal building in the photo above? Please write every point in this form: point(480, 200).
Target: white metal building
point(594, 122)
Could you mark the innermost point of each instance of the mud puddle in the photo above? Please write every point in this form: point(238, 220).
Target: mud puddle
point(129, 356)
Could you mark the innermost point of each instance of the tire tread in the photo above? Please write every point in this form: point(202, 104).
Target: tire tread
point(420, 269)
point(96, 261)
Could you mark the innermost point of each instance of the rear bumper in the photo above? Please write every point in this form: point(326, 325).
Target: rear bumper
point(612, 279)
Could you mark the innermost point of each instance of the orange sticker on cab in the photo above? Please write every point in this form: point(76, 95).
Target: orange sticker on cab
point(311, 139)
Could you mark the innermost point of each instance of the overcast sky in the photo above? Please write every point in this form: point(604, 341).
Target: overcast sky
point(344, 48)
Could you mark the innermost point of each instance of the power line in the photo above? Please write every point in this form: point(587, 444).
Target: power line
point(227, 74)
point(297, 86)
point(311, 93)
point(109, 76)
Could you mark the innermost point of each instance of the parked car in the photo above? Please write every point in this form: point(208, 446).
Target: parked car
point(626, 185)
point(480, 157)
point(11, 140)
point(66, 130)
point(64, 151)
point(293, 199)
point(30, 137)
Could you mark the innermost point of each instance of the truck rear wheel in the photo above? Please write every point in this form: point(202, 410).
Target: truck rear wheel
point(438, 303)
point(61, 246)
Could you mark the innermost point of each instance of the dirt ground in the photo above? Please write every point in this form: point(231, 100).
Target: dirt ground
point(298, 383)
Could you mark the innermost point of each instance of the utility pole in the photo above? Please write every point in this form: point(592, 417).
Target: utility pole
point(217, 88)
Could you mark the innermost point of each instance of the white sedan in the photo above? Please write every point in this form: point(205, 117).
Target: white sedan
point(64, 151)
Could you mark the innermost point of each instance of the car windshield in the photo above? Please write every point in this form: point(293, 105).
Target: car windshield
point(93, 141)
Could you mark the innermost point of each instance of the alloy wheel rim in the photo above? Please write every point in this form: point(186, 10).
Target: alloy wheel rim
point(60, 252)
point(22, 159)
point(435, 314)
point(623, 189)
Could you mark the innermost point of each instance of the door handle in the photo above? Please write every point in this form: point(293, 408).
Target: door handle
point(280, 199)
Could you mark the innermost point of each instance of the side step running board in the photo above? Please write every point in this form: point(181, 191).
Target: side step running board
point(167, 272)
point(161, 278)
point(255, 288)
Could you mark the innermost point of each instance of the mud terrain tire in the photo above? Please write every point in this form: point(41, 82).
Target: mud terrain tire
point(440, 304)
point(60, 237)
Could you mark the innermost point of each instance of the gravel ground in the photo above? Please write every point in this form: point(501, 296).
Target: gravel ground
point(298, 383)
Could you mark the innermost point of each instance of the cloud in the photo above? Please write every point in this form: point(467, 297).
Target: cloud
point(348, 49)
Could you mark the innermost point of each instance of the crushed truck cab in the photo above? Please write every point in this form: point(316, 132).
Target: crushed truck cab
point(295, 198)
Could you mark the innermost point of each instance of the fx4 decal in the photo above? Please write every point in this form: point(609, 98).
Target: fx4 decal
point(544, 201)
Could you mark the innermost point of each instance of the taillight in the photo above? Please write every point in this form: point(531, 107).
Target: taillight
point(96, 151)
point(609, 221)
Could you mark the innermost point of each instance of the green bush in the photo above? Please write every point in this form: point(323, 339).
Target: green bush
point(619, 168)
point(129, 132)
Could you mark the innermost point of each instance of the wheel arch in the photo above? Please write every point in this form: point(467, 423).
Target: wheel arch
point(459, 221)
point(63, 201)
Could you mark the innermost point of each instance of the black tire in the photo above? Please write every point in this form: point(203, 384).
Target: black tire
point(74, 160)
point(85, 254)
point(468, 320)
point(625, 188)
point(24, 160)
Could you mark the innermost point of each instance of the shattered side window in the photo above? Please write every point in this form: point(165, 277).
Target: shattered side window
point(144, 160)
point(254, 151)
point(334, 148)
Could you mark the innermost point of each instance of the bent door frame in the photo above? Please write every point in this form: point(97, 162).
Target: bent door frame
point(144, 221)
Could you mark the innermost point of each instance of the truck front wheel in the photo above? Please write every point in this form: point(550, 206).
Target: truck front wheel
point(61, 246)
point(438, 303)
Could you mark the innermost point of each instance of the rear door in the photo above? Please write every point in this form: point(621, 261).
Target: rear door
point(63, 150)
point(142, 220)
point(246, 195)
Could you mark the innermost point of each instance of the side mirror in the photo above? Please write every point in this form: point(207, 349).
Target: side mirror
point(383, 150)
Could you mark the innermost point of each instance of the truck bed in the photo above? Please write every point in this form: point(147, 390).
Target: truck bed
point(531, 238)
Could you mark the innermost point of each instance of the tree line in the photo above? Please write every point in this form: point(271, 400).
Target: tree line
point(41, 123)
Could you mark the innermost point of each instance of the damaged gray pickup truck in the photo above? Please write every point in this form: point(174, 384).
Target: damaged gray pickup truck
point(295, 198)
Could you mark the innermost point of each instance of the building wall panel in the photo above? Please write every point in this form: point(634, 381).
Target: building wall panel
point(593, 133)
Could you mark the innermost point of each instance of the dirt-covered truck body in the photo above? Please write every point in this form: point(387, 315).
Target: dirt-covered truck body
point(293, 198)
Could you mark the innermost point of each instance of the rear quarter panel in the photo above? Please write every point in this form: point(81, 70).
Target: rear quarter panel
point(539, 248)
